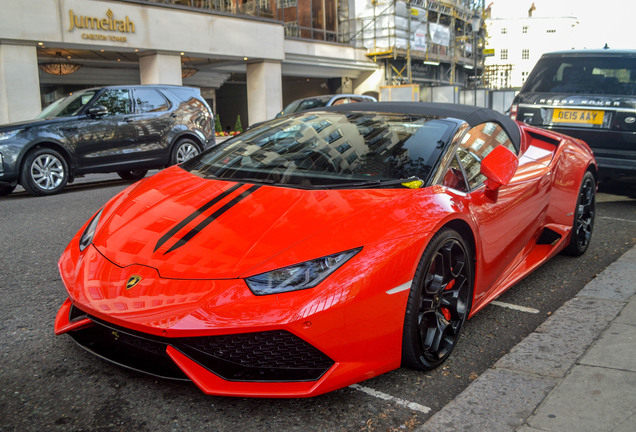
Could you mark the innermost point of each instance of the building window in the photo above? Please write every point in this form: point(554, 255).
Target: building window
point(550, 31)
point(524, 29)
point(504, 30)
point(335, 136)
point(343, 147)
point(524, 76)
point(504, 54)
point(525, 54)
point(291, 29)
point(489, 128)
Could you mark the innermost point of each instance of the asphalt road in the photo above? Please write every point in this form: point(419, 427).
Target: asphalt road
point(49, 383)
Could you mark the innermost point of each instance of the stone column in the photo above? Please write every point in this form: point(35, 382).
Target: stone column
point(160, 69)
point(19, 83)
point(264, 90)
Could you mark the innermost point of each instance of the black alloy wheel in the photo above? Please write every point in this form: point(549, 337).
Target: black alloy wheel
point(184, 149)
point(583, 217)
point(132, 174)
point(44, 172)
point(439, 301)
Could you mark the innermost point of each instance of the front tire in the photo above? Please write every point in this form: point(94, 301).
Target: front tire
point(132, 175)
point(583, 217)
point(44, 172)
point(184, 149)
point(439, 301)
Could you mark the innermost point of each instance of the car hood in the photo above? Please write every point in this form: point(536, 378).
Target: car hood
point(185, 226)
point(35, 122)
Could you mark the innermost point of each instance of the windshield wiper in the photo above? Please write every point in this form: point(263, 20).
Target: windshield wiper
point(353, 185)
point(241, 179)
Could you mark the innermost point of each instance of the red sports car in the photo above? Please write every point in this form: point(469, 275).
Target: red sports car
point(324, 248)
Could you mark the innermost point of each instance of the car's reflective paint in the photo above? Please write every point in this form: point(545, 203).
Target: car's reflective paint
point(356, 315)
point(92, 144)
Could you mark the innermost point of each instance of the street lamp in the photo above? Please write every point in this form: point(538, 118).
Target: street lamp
point(475, 23)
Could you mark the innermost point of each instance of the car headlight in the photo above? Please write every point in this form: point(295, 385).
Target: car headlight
point(89, 232)
point(299, 276)
point(9, 134)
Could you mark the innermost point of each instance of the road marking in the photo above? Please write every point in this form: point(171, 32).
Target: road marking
point(405, 286)
point(378, 394)
point(616, 219)
point(514, 307)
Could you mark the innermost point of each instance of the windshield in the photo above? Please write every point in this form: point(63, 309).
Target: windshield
point(598, 75)
point(330, 150)
point(306, 104)
point(67, 106)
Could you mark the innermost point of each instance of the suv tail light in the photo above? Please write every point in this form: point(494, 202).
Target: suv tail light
point(513, 111)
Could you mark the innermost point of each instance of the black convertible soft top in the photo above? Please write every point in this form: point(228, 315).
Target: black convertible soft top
point(470, 114)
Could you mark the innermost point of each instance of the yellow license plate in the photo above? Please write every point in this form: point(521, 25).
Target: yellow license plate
point(587, 117)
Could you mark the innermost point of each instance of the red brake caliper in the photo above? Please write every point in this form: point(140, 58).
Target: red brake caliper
point(445, 311)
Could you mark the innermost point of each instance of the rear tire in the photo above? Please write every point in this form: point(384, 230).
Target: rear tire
point(132, 174)
point(584, 213)
point(44, 172)
point(439, 301)
point(183, 150)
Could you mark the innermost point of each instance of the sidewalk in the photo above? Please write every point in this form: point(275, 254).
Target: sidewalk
point(575, 373)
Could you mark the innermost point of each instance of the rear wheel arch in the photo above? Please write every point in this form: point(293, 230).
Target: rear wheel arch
point(179, 140)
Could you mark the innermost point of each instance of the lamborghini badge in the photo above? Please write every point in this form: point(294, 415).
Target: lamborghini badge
point(133, 281)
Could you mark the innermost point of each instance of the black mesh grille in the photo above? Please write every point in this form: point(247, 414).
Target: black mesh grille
point(264, 356)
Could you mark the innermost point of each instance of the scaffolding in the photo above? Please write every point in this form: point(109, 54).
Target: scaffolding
point(426, 41)
point(498, 76)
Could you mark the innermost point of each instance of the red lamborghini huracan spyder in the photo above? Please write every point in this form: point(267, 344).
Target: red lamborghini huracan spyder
point(323, 248)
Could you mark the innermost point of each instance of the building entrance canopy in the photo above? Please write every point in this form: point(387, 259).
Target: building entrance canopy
point(118, 42)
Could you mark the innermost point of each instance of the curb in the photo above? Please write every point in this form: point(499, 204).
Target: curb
point(506, 396)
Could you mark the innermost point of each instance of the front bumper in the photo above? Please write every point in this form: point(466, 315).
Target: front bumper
point(269, 356)
point(226, 340)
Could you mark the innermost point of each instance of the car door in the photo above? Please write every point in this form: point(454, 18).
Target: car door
point(155, 117)
point(107, 141)
point(508, 221)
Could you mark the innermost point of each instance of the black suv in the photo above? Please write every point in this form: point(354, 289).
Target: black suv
point(123, 129)
point(587, 94)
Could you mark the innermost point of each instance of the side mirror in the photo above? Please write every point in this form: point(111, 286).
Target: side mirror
point(98, 111)
point(499, 167)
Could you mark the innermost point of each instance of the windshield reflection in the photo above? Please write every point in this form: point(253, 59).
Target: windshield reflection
point(67, 106)
point(330, 149)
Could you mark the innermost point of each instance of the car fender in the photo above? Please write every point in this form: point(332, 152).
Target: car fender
point(51, 144)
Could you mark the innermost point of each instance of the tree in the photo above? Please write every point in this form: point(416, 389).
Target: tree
point(238, 127)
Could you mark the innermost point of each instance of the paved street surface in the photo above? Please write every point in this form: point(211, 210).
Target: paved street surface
point(575, 373)
point(49, 383)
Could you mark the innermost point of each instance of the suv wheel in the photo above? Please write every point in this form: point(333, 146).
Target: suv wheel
point(184, 149)
point(132, 174)
point(44, 172)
